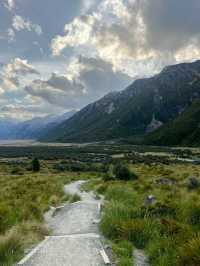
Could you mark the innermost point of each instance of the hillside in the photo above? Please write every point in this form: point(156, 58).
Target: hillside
point(141, 108)
point(184, 130)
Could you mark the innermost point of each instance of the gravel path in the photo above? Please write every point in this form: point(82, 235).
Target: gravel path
point(75, 239)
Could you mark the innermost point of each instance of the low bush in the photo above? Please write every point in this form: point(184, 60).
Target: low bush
point(35, 165)
point(122, 172)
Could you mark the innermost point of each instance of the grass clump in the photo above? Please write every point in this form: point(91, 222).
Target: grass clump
point(165, 228)
point(10, 247)
point(74, 198)
point(189, 253)
point(123, 252)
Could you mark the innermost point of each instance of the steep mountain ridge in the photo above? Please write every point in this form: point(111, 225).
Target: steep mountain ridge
point(145, 105)
point(183, 130)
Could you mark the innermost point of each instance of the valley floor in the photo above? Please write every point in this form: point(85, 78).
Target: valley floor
point(155, 213)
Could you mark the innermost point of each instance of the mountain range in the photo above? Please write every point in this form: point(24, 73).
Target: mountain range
point(31, 129)
point(157, 109)
point(160, 110)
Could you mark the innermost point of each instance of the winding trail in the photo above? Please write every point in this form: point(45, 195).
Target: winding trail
point(75, 239)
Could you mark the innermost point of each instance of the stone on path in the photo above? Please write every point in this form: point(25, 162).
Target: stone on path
point(140, 258)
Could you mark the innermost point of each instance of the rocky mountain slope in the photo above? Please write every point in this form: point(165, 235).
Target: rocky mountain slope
point(143, 107)
point(183, 130)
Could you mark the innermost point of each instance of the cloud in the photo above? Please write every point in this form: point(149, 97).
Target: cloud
point(86, 79)
point(115, 32)
point(20, 67)
point(19, 23)
point(11, 35)
point(12, 72)
point(9, 4)
point(122, 31)
point(118, 40)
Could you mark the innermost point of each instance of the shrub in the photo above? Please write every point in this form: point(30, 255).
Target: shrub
point(122, 172)
point(35, 165)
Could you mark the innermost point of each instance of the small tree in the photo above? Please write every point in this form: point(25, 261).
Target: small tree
point(122, 172)
point(35, 165)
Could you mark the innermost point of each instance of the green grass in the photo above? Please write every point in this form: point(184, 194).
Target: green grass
point(165, 229)
point(123, 252)
point(24, 197)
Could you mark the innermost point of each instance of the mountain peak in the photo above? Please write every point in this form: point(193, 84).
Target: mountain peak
point(129, 113)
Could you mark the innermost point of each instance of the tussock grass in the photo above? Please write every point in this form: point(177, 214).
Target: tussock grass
point(166, 228)
point(74, 198)
point(10, 247)
point(189, 252)
point(123, 251)
point(24, 197)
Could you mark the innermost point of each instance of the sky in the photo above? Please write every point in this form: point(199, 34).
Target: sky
point(57, 56)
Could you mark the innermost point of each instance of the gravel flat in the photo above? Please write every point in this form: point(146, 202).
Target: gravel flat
point(75, 239)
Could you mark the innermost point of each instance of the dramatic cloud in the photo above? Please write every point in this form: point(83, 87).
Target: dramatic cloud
point(19, 23)
point(86, 79)
point(93, 46)
point(123, 31)
point(11, 73)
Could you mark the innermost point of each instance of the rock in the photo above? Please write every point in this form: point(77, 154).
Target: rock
point(165, 181)
point(150, 200)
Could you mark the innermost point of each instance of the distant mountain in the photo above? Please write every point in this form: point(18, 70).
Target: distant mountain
point(183, 130)
point(7, 127)
point(144, 106)
point(31, 129)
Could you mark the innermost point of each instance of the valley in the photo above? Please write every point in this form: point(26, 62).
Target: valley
point(150, 193)
point(99, 133)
